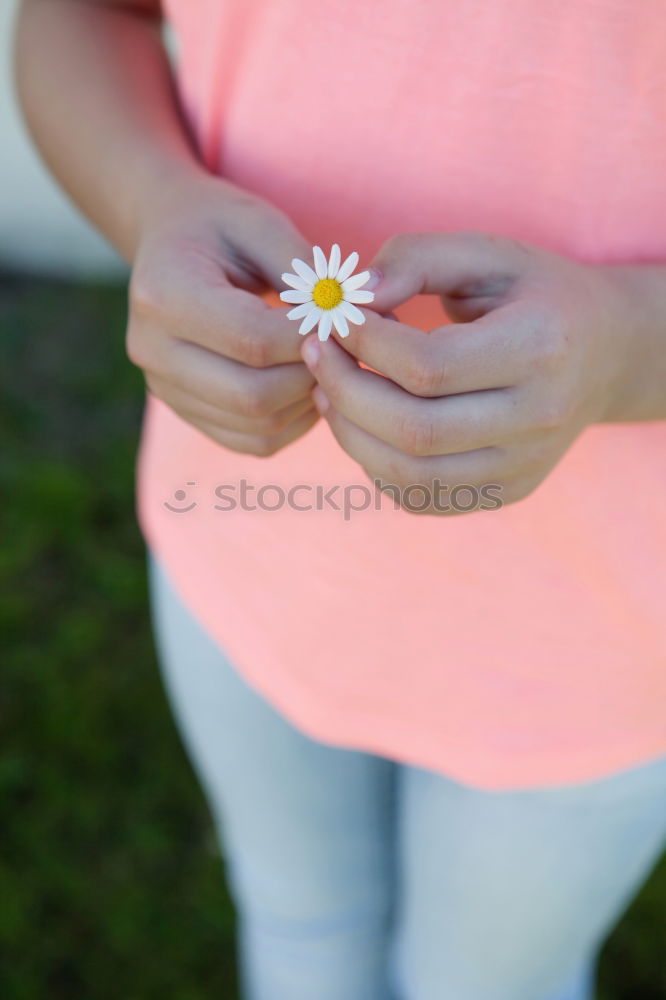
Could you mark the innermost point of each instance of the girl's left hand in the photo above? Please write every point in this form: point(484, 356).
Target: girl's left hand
point(540, 347)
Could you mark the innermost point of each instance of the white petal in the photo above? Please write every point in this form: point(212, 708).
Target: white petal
point(296, 281)
point(341, 324)
point(347, 267)
point(360, 296)
point(305, 271)
point(296, 295)
point(353, 314)
point(355, 281)
point(310, 320)
point(334, 261)
point(320, 262)
point(298, 311)
point(325, 324)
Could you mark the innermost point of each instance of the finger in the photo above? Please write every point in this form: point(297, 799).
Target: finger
point(497, 350)
point(191, 408)
point(205, 309)
point(382, 460)
point(228, 384)
point(265, 237)
point(260, 241)
point(412, 424)
point(468, 263)
point(259, 445)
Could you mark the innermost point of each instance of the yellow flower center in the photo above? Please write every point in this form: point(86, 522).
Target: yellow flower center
point(327, 293)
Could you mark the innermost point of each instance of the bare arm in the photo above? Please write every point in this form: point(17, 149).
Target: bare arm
point(96, 90)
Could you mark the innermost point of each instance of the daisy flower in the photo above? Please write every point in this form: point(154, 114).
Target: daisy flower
point(327, 294)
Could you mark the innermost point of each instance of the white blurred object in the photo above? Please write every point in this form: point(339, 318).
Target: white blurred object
point(40, 230)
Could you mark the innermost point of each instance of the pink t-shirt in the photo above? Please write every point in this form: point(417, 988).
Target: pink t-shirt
point(506, 648)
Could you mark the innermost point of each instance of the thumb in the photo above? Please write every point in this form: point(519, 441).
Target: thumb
point(466, 264)
point(264, 240)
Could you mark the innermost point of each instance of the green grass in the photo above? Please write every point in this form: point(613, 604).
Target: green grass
point(112, 886)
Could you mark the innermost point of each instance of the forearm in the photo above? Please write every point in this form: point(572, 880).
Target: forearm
point(95, 87)
point(641, 391)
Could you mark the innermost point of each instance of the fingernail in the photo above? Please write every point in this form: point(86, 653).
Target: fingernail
point(311, 352)
point(321, 400)
point(374, 279)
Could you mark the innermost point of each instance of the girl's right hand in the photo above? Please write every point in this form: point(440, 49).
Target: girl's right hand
point(210, 347)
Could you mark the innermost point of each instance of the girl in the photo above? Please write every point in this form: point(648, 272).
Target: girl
point(434, 746)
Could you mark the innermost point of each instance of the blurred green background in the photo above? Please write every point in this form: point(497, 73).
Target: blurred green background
point(112, 884)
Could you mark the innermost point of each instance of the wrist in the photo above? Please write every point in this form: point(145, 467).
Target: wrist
point(171, 188)
point(637, 314)
point(187, 192)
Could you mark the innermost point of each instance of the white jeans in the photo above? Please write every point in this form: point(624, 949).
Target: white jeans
point(356, 877)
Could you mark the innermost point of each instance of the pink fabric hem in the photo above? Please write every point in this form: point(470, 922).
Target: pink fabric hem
point(465, 763)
